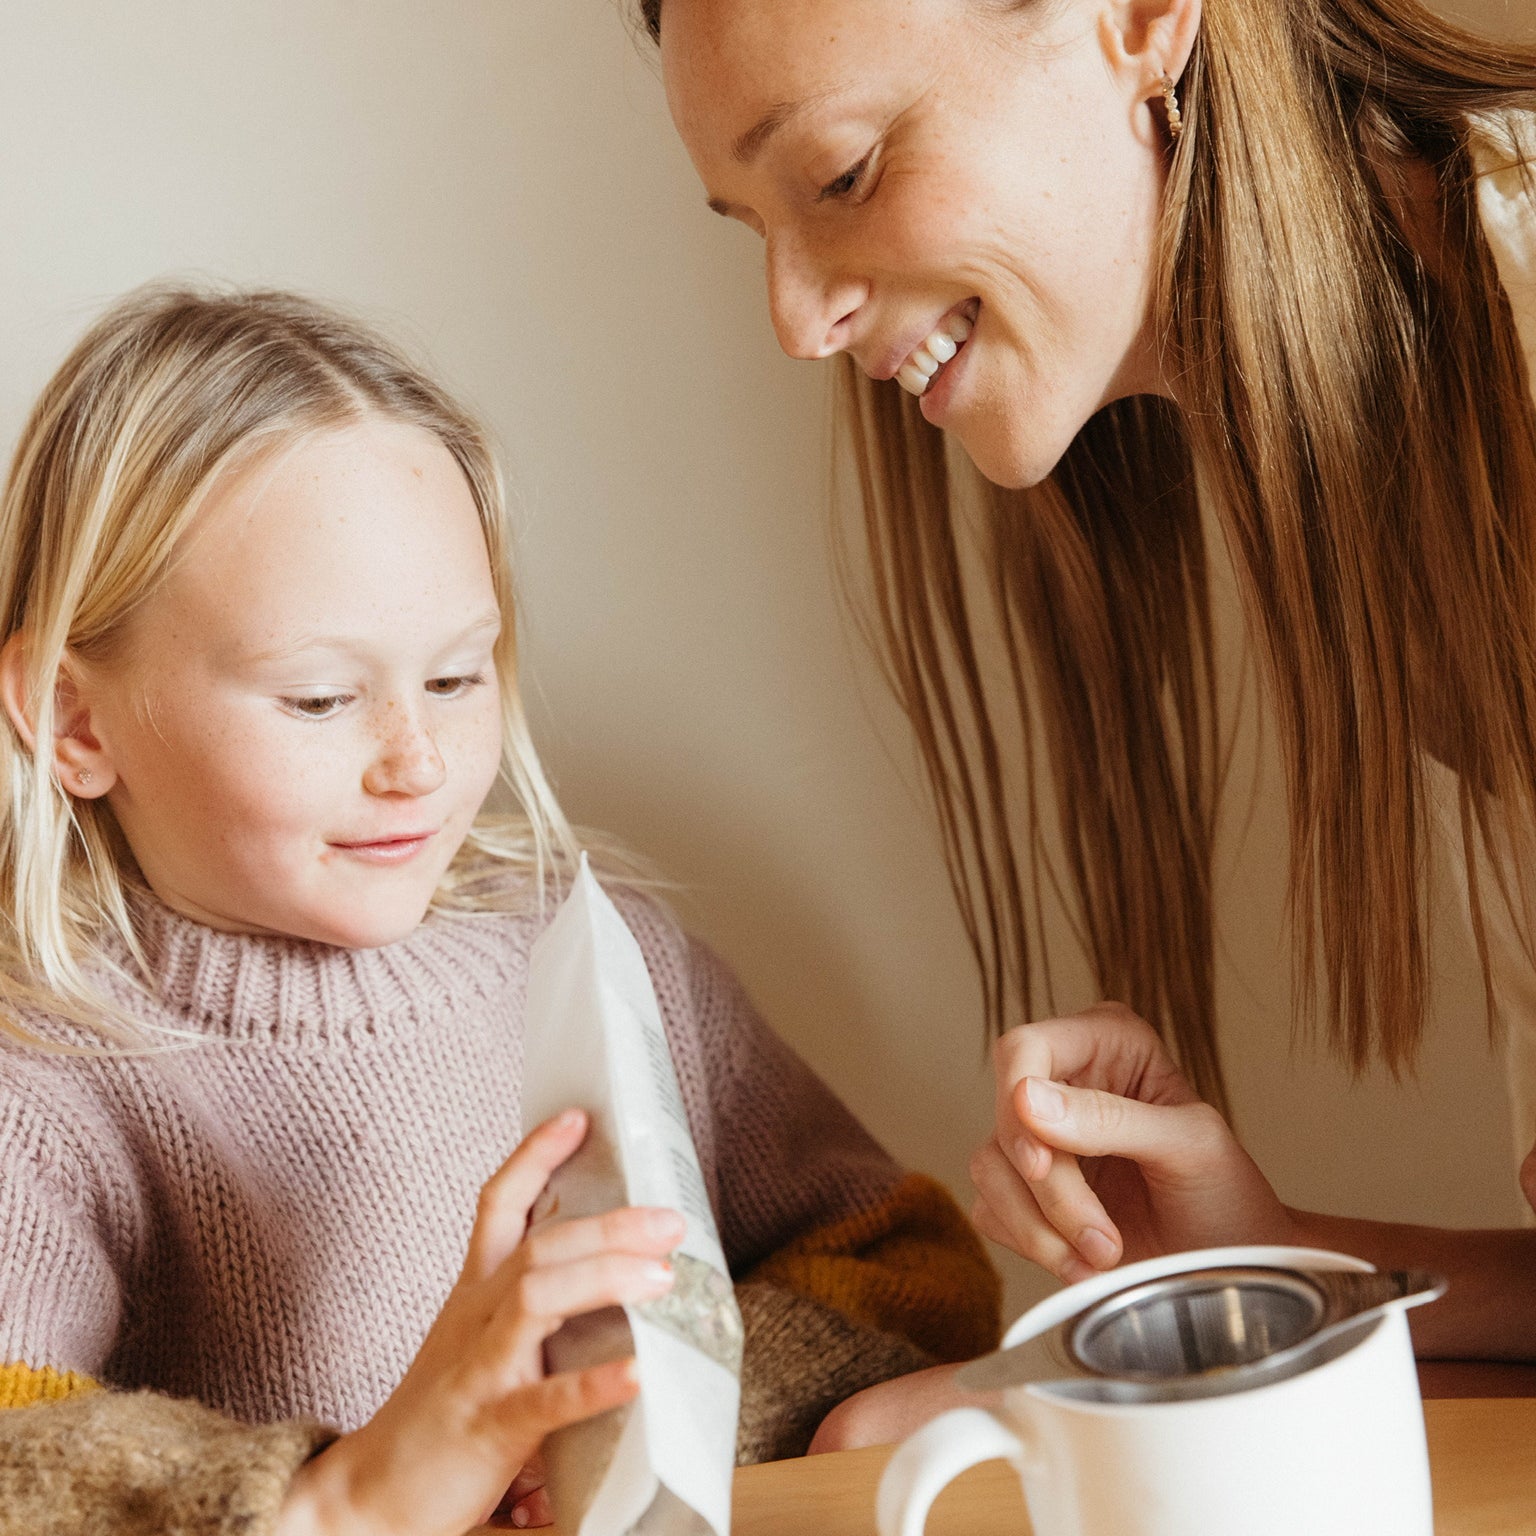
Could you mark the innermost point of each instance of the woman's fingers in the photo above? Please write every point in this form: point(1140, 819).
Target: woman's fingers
point(1008, 1213)
point(501, 1217)
point(1171, 1139)
point(1107, 1044)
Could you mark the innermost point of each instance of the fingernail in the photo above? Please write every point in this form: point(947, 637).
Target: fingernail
point(1074, 1270)
point(1046, 1100)
point(519, 1517)
point(657, 1274)
point(568, 1118)
point(1096, 1247)
point(663, 1223)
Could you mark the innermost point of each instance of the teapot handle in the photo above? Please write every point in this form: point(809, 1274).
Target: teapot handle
point(932, 1458)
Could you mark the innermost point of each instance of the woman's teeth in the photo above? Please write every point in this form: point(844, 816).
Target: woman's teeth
point(948, 337)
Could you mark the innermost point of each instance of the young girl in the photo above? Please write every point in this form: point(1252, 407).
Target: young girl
point(263, 958)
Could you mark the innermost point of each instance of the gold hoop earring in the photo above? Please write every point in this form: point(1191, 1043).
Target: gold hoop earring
point(1171, 106)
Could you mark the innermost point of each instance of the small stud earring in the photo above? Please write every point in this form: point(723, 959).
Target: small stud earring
point(1171, 105)
point(84, 776)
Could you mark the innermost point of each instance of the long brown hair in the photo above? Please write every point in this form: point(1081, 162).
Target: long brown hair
point(1354, 417)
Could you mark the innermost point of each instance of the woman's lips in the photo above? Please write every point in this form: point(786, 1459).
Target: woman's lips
point(387, 850)
point(936, 401)
point(926, 362)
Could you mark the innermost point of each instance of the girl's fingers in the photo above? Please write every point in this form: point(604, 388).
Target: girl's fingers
point(538, 1409)
point(501, 1216)
point(1008, 1213)
point(533, 1511)
point(538, 1301)
point(639, 1230)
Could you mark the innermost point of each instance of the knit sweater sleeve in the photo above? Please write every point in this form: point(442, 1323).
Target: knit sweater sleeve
point(68, 1222)
point(849, 1271)
point(74, 1457)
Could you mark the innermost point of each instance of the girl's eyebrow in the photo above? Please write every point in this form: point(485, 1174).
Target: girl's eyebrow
point(348, 644)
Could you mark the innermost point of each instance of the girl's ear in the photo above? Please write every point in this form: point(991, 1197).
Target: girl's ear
point(80, 762)
point(1144, 40)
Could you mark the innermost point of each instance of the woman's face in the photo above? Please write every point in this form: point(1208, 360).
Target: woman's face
point(981, 172)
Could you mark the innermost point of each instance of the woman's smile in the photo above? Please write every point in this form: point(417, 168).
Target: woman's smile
point(923, 363)
point(906, 180)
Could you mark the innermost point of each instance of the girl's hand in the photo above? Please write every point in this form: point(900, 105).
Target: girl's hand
point(470, 1413)
point(1103, 1152)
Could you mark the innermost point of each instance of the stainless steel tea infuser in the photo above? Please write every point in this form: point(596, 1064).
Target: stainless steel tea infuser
point(1203, 1333)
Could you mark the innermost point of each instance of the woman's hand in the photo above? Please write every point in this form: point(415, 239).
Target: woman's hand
point(1103, 1152)
point(458, 1436)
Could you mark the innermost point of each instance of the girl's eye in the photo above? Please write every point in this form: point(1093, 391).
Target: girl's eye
point(847, 184)
point(320, 706)
point(454, 687)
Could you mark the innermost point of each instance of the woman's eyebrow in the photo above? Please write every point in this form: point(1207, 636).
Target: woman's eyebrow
point(750, 144)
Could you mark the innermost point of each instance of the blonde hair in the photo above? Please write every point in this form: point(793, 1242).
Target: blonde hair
point(1355, 412)
point(166, 391)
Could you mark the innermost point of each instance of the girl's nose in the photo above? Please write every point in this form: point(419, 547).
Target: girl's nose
point(812, 306)
point(407, 762)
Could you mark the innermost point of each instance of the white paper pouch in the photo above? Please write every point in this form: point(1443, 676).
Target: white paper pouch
point(661, 1465)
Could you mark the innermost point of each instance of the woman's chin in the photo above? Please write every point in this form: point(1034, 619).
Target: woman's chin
point(1012, 465)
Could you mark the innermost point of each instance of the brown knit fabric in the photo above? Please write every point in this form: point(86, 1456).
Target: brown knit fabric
point(137, 1464)
point(802, 1359)
point(910, 1264)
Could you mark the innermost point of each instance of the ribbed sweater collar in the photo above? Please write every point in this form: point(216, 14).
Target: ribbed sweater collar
point(253, 987)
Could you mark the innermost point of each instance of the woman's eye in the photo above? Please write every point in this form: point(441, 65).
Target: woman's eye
point(316, 706)
point(847, 184)
point(453, 687)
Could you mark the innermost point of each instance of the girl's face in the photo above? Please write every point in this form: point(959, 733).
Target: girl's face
point(915, 164)
point(304, 720)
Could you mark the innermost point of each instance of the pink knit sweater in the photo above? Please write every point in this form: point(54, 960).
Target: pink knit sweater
point(269, 1221)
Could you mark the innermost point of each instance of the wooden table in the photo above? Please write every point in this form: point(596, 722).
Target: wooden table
point(1482, 1455)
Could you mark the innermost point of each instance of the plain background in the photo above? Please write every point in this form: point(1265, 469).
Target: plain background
point(496, 182)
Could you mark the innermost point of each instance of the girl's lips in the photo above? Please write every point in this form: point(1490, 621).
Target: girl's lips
point(388, 850)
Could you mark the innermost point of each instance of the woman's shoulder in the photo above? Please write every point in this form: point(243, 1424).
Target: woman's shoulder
point(1503, 149)
point(1503, 141)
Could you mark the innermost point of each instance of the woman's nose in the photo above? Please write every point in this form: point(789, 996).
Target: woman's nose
point(407, 761)
point(812, 305)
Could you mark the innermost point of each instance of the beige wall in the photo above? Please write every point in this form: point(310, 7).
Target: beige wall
point(496, 179)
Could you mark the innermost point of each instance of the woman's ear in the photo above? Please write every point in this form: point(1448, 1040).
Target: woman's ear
point(80, 762)
point(1145, 40)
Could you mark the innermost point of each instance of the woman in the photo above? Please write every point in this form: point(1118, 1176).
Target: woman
point(1150, 261)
